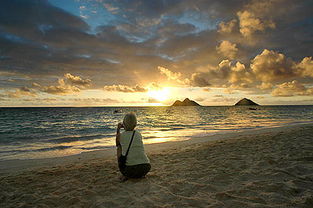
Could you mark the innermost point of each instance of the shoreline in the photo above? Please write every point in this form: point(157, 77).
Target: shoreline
point(257, 168)
point(20, 165)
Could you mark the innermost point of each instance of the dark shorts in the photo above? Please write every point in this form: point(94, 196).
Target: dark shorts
point(136, 171)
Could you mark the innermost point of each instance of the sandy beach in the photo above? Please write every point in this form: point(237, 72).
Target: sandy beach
point(257, 168)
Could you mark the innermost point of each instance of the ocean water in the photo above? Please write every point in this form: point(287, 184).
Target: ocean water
point(27, 133)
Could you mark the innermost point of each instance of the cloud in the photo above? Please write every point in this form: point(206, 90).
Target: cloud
point(306, 67)
point(169, 74)
point(29, 14)
point(272, 66)
point(173, 27)
point(292, 88)
point(255, 16)
point(23, 91)
point(175, 76)
point(199, 80)
point(3, 99)
point(265, 70)
point(240, 76)
point(39, 101)
point(227, 27)
point(153, 100)
point(67, 85)
point(224, 100)
point(42, 41)
point(181, 46)
point(265, 86)
point(200, 99)
point(227, 74)
point(63, 101)
point(229, 91)
point(154, 86)
point(76, 80)
point(143, 22)
point(124, 88)
point(265, 7)
point(94, 100)
point(239, 67)
point(227, 49)
point(110, 8)
point(61, 89)
point(249, 23)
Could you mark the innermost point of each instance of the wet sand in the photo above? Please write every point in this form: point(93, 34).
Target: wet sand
point(258, 168)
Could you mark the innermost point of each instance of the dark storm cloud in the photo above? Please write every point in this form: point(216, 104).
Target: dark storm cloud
point(170, 28)
point(59, 43)
point(156, 8)
point(141, 19)
point(39, 39)
point(25, 28)
point(187, 37)
point(36, 15)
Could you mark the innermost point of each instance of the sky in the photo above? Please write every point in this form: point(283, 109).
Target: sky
point(153, 52)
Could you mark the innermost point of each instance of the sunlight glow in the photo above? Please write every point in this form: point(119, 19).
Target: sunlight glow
point(160, 94)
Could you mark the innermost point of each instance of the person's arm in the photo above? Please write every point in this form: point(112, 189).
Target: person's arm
point(118, 139)
point(118, 134)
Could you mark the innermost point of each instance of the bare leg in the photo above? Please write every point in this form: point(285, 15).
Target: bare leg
point(122, 178)
point(118, 152)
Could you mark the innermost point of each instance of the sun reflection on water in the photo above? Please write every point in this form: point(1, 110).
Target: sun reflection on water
point(65, 131)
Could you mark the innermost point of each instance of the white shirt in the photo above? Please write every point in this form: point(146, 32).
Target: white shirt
point(136, 154)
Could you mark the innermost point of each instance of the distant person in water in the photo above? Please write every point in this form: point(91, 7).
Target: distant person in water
point(137, 162)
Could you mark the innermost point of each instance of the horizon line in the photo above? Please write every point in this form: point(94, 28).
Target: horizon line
point(134, 106)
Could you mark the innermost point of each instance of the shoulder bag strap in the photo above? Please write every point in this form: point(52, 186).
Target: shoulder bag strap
point(130, 144)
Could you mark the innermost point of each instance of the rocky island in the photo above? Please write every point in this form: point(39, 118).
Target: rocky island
point(186, 102)
point(245, 102)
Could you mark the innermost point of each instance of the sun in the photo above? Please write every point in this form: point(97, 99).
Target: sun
point(160, 94)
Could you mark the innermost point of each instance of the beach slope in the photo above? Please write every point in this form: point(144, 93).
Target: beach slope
point(266, 169)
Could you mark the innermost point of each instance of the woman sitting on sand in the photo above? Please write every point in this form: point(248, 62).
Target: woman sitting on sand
point(137, 162)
